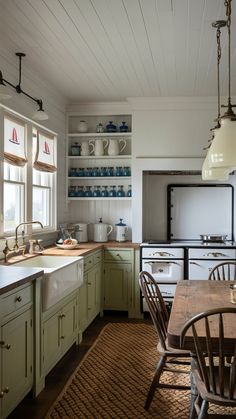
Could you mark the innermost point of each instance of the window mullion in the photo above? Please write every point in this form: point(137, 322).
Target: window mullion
point(1, 172)
point(29, 184)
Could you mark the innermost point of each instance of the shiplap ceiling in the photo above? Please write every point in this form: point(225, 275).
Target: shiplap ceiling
point(113, 49)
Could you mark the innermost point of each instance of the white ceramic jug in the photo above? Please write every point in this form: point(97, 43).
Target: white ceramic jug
point(101, 231)
point(85, 151)
point(99, 146)
point(114, 146)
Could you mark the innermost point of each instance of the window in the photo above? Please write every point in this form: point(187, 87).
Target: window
point(28, 193)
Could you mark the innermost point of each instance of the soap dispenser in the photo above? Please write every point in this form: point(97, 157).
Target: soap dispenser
point(121, 231)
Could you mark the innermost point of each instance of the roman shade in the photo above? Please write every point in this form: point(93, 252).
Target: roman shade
point(45, 153)
point(14, 141)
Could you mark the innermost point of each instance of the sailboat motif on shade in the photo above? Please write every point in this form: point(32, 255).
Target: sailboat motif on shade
point(14, 138)
point(46, 148)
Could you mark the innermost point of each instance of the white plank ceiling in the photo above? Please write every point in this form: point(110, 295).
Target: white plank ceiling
point(107, 50)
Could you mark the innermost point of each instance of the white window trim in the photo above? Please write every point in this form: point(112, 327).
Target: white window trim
point(4, 111)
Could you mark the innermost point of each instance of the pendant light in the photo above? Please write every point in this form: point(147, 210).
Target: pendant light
point(215, 173)
point(222, 153)
point(39, 115)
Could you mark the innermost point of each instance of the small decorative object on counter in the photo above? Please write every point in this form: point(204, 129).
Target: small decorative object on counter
point(75, 149)
point(120, 192)
point(111, 127)
point(82, 126)
point(100, 128)
point(121, 230)
point(124, 127)
point(129, 193)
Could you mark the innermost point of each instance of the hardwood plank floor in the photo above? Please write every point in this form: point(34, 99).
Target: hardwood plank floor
point(57, 378)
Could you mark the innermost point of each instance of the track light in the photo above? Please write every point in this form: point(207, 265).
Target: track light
point(39, 115)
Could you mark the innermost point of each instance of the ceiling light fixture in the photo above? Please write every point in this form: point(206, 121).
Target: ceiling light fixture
point(39, 115)
point(222, 153)
point(215, 173)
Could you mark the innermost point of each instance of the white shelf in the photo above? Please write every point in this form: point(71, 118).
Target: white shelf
point(119, 156)
point(99, 177)
point(94, 198)
point(99, 134)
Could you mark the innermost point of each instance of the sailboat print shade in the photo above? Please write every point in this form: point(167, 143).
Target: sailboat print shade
point(45, 153)
point(14, 142)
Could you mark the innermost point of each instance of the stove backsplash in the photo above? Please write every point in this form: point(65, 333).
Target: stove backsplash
point(155, 209)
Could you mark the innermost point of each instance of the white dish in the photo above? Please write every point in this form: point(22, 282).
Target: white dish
point(68, 246)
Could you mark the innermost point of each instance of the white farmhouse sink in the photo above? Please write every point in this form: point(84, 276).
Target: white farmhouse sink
point(62, 275)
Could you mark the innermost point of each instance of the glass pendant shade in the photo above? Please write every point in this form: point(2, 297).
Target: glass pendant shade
point(213, 173)
point(40, 115)
point(222, 153)
point(4, 92)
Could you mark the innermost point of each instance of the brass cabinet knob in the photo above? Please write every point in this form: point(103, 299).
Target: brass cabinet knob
point(1, 394)
point(62, 337)
point(19, 299)
point(6, 346)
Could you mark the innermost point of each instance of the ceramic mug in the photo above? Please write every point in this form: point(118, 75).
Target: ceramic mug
point(85, 151)
point(114, 146)
point(99, 146)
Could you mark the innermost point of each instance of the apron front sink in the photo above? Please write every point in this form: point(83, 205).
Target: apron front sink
point(62, 275)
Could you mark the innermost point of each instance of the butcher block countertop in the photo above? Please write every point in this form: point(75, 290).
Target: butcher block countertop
point(12, 277)
point(84, 249)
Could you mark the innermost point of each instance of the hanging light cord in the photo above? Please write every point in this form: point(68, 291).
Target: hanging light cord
point(229, 112)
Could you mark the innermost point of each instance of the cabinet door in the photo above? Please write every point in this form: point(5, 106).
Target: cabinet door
point(116, 286)
point(51, 342)
point(68, 325)
point(16, 355)
point(94, 292)
point(83, 305)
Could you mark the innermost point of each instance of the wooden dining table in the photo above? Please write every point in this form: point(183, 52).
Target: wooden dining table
point(193, 297)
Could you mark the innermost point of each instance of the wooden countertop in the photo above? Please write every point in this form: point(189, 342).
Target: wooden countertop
point(12, 277)
point(84, 249)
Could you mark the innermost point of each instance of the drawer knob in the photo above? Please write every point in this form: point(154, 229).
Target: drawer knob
point(62, 316)
point(19, 299)
point(1, 394)
point(6, 390)
point(6, 346)
point(62, 337)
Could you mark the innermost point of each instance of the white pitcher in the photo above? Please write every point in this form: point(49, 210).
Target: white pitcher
point(99, 146)
point(85, 151)
point(114, 146)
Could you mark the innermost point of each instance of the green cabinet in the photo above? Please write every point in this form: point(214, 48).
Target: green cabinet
point(59, 331)
point(118, 278)
point(89, 301)
point(16, 348)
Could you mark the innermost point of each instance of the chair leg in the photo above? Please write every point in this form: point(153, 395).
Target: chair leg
point(155, 382)
point(204, 409)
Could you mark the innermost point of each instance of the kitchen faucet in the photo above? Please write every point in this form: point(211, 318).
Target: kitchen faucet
point(16, 248)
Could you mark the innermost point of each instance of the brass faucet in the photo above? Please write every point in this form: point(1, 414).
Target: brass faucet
point(16, 248)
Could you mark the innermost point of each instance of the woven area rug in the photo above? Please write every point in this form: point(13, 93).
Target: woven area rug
point(113, 379)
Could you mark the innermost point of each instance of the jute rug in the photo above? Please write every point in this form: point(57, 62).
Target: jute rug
point(113, 379)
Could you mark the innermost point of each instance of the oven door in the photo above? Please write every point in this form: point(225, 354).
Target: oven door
point(166, 273)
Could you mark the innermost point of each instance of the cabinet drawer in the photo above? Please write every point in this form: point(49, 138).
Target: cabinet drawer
point(13, 301)
point(118, 255)
point(88, 262)
point(97, 257)
point(163, 252)
point(214, 253)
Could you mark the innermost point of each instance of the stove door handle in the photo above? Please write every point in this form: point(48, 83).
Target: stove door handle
point(163, 254)
point(216, 254)
point(167, 262)
point(194, 263)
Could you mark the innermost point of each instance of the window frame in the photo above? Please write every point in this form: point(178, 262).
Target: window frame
point(28, 198)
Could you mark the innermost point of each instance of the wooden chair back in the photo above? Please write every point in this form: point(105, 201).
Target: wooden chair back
point(225, 271)
point(214, 370)
point(156, 305)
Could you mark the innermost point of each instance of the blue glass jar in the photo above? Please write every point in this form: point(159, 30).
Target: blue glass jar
point(80, 191)
point(119, 171)
point(126, 171)
point(80, 172)
point(75, 149)
point(120, 192)
point(72, 191)
point(102, 171)
point(111, 127)
point(104, 191)
point(109, 171)
point(73, 172)
point(94, 172)
point(112, 191)
point(88, 191)
point(96, 191)
point(124, 127)
point(88, 172)
point(129, 193)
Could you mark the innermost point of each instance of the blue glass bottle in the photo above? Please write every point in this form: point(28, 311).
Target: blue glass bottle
point(124, 127)
point(104, 191)
point(129, 193)
point(120, 192)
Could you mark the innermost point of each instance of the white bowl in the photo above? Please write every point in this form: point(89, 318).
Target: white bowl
point(68, 246)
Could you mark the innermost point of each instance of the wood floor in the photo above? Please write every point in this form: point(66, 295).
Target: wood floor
point(57, 378)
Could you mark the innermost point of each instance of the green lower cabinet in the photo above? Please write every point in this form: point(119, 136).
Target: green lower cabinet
point(16, 361)
point(89, 301)
point(59, 333)
point(117, 283)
